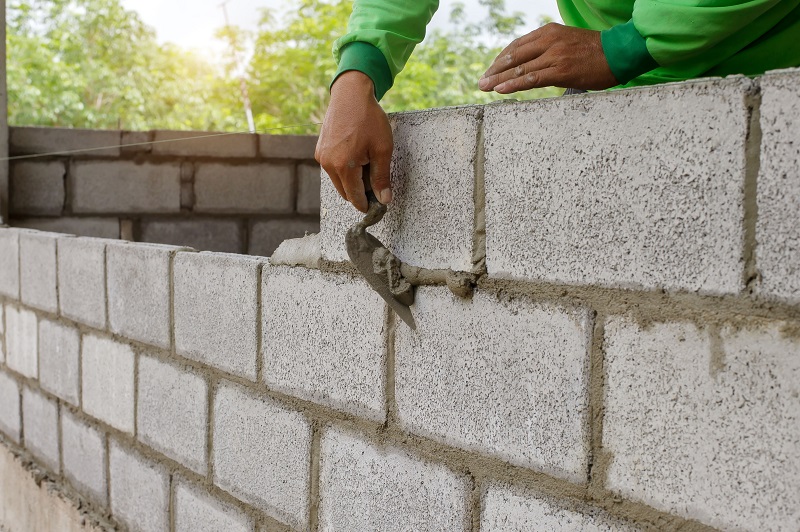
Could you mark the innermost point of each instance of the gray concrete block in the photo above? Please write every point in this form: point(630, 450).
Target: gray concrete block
point(85, 226)
point(83, 450)
point(37, 268)
point(778, 224)
point(124, 187)
point(82, 280)
point(37, 188)
point(38, 140)
point(198, 511)
point(137, 142)
point(216, 310)
point(365, 487)
point(430, 222)
point(507, 509)
point(59, 360)
point(9, 263)
point(204, 234)
point(138, 291)
point(209, 144)
point(22, 342)
point(627, 189)
point(699, 421)
point(172, 412)
point(40, 425)
point(287, 146)
point(308, 188)
point(262, 454)
point(340, 362)
point(266, 236)
point(139, 490)
point(10, 422)
point(107, 369)
point(238, 189)
point(494, 376)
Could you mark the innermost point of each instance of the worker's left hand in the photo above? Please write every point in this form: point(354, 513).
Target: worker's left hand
point(551, 56)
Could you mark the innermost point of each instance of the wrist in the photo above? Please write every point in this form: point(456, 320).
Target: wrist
point(353, 83)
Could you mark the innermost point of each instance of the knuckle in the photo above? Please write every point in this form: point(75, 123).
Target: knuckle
point(519, 71)
point(531, 78)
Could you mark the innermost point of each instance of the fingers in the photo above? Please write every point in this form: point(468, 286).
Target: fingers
point(353, 185)
point(379, 171)
point(518, 51)
point(547, 77)
point(538, 61)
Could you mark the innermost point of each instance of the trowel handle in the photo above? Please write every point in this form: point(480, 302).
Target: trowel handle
point(371, 197)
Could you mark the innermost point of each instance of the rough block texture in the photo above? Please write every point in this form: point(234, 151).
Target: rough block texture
point(9, 262)
point(37, 266)
point(262, 454)
point(92, 227)
point(216, 311)
point(37, 188)
point(287, 146)
point(364, 487)
point(340, 362)
point(308, 188)
point(265, 237)
point(59, 360)
point(197, 511)
point(641, 188)
point(82, 280)
point(430, 222)
point(124, 187)
point(173, 412)
point(10, 422)
point(778, 226)
point(263, 188)
point(107, 376)
point(495, 376)
point(138, 292)
point(139, 490)
point(204, 234)
point(83, 448)
point(22, 342)
point(699, 424)
point(242, 145)
point(32, 140)
point(40, 425)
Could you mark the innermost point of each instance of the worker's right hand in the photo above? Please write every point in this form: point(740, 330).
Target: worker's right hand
point(356, 133)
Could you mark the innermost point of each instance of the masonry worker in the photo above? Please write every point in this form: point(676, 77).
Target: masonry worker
point(604, 44)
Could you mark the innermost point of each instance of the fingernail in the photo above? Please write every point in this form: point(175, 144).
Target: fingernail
point(483, 83)
point(385, 196)
point(500, 87)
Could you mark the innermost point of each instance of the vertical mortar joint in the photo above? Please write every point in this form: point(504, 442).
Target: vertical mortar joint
point(750, 191)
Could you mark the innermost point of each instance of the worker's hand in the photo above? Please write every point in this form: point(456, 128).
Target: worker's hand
point(551, 56)
point(356, 132)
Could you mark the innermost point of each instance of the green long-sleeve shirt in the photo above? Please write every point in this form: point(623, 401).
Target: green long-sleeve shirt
point(645, 41)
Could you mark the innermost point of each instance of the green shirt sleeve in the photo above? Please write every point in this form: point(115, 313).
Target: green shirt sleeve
point(381, 35)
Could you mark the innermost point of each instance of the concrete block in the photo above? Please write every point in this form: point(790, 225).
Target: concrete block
point(10, 421)
point(626, 189)
point(37, 268)
point(124, 187)
point(84, 456)
point(265, 237)
point(22, 342)
point(430, 222)
point(365, 487)
point(198, 511)
point(37, 188)
point(238, 189)
point(308, 188)
point(85, 226)
point(9, 263)
point(59, 360)
point(137, 142)
point(494, 375)
point(287, 146)
point(699, 421)
point(209, 144)
point(204, 234)
point(340, 362)
point(172, 410)
point(138, 291)
point(40, 422)
point(82, 280)
point(262, 454)
point(107, 381)
point(216, 311)
point(139, 490)
point(778, 225)
point(37, 140)
point(507, 509)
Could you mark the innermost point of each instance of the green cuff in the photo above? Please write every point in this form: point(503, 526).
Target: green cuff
point(366, 58)
point(626, 52)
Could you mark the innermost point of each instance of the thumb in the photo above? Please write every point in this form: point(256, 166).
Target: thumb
point(379, 171)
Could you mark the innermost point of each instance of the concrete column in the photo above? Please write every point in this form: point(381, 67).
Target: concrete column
point(3, 119)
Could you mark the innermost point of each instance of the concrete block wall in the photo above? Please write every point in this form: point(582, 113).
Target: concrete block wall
point(232, 193)
point(629, 359)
